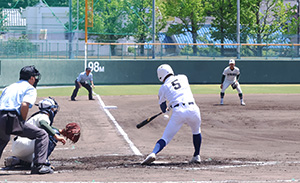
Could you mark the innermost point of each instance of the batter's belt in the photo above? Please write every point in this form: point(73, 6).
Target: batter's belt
point(176, 105)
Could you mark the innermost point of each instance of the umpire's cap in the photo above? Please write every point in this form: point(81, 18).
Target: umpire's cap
point(28, 71)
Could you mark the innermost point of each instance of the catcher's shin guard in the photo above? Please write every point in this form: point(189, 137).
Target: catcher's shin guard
point(52, 143)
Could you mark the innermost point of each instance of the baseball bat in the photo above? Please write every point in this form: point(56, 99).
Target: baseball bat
point(146, 121)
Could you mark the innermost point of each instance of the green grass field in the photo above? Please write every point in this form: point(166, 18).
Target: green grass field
point(153, 90)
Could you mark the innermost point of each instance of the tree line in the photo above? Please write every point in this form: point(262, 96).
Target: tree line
point(115, 19)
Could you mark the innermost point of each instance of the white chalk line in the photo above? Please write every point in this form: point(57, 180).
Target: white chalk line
point(120, 129)
point(56, 149)
point(244, 164)
point(222, 181)
point(238, 164)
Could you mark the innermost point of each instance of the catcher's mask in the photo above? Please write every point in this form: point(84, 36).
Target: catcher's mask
point(163, 71)
point(50, 106)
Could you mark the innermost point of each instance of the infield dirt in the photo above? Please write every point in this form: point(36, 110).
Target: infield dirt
point(256, 142)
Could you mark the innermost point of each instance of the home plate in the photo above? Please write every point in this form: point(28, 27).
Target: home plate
point(110, 107)
point(161, 162)
point(157, 162)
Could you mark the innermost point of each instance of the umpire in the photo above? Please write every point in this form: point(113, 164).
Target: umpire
point(15, 101)
point(82, 80)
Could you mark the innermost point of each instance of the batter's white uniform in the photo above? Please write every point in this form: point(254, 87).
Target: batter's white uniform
point(23, 148)
point(176, 90)
point(230, 77)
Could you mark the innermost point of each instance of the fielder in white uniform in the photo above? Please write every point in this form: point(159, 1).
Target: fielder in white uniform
point(23, 148)
point(231, 75)
point(176, 90)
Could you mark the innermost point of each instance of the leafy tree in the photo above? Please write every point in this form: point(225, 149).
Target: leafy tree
point(109, 20)
point(140, 20)
point(269, 21)
point(116, 19)
point(191, 14)
point(225, 17)
point(20, 46)
point(260, 19)
point(292, 22)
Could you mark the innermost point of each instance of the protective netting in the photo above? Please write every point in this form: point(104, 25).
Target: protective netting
point(118, 29)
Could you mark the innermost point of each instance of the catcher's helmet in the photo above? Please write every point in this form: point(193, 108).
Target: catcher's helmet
point(231, 61)
point(48, 103)
point(163, 71)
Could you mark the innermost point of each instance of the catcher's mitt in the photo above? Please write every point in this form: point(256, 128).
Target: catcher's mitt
point(234, 85)
point(72, 132)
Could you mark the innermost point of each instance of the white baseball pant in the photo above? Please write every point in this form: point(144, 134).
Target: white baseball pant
point(189, 114)
point(227, 83)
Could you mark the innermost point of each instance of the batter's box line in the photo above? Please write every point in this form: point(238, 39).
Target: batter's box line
point(119, 128)
point(240, 164)
point(222, 181)
point(231, 164)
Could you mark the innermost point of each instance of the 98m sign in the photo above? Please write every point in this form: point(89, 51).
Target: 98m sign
point(96, 67)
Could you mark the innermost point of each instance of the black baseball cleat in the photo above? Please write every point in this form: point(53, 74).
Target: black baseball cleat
point(91, 99)
point(41, 169)
point(73, 99)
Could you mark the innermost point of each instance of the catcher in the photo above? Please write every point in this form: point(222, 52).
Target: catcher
point(23, 148)
point(231, 76)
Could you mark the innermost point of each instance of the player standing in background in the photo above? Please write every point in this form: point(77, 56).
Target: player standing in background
point(176, 90)
point(82, 80)
point(231, 76)
point(15, 101)
point(23, 148)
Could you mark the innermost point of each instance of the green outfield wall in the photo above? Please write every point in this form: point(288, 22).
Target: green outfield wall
point(65, 71)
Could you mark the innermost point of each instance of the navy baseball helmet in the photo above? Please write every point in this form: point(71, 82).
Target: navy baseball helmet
point(28, 71)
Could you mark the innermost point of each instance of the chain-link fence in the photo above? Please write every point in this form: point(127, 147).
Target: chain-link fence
point(21, 47)
point(41, 31)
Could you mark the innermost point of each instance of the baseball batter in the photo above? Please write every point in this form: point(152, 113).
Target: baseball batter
point(23, 148)
point(176, 90)
point(231, 76)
